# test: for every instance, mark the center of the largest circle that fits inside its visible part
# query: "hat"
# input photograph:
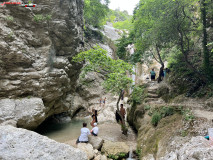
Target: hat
(95, 124)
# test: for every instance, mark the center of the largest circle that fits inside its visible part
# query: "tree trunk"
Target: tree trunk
(206, 63)
(162, 64)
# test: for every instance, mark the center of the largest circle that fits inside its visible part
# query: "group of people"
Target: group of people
(85, 132)
(163, 74)
(104, 101)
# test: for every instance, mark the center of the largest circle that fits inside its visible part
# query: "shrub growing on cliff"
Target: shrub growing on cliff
(138, 94)
(156, 117)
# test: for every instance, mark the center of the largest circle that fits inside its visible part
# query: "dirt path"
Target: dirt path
(203, 114)
(112, 132)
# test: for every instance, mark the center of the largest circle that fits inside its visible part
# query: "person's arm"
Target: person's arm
(89, 133)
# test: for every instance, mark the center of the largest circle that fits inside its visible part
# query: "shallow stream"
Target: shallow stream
(63, 132)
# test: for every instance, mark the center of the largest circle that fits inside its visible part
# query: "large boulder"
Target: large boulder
(26, 112)
(87, 148)
(114, 148)
(96, 142)
(196, 148)
(17, 143)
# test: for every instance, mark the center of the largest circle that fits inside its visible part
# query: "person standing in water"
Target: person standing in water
(85, 132)
(152, 75)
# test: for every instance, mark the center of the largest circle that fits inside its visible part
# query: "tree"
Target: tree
(115, 71)
(206, 53)
(95, 12)
(163, 23)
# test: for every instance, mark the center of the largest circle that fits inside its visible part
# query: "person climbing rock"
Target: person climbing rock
(85, 132)
(152, 75)
(95, 130)
(122, 112)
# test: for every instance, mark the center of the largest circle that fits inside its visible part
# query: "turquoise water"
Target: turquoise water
(63, 132)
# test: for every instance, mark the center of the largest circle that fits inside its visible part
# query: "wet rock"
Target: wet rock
(96, 142)
(114, 148)
(87, 148)
(17, 143)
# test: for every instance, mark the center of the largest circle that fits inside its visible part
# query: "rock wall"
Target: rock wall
(36, 48)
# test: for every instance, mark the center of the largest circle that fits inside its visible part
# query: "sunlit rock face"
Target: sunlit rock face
(17, 143)
(36, 48)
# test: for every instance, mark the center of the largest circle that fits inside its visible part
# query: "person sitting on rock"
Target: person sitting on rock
(95, 130)
(85, 132)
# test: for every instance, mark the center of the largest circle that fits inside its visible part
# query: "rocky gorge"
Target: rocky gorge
(39, 80)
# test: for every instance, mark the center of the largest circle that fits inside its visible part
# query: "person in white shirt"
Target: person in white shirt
(95, 129)
(85, 132)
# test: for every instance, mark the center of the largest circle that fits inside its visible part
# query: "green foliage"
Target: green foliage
(147, 107)
(167, 111)
(184, 133)
(187, 114)
(159, 113)
(121, 48)
(138, 152)
(156, 117)
(127, 24)
(138, 94)
(116, 78)
(40, 18)
(95, 12)
(117, 157)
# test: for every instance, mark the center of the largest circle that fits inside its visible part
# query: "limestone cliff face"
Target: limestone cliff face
(36, 47)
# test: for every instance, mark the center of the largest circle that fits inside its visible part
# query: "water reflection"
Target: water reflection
(63, 132)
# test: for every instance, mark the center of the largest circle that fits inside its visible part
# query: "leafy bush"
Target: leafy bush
(147, 107)
(41, 18)
(138, 94)
(95, 12)
(156, 117)
(167, 111)
(187, 115)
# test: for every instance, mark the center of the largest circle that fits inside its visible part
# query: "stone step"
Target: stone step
(152, 91)
(151, 100)
(151, 95)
